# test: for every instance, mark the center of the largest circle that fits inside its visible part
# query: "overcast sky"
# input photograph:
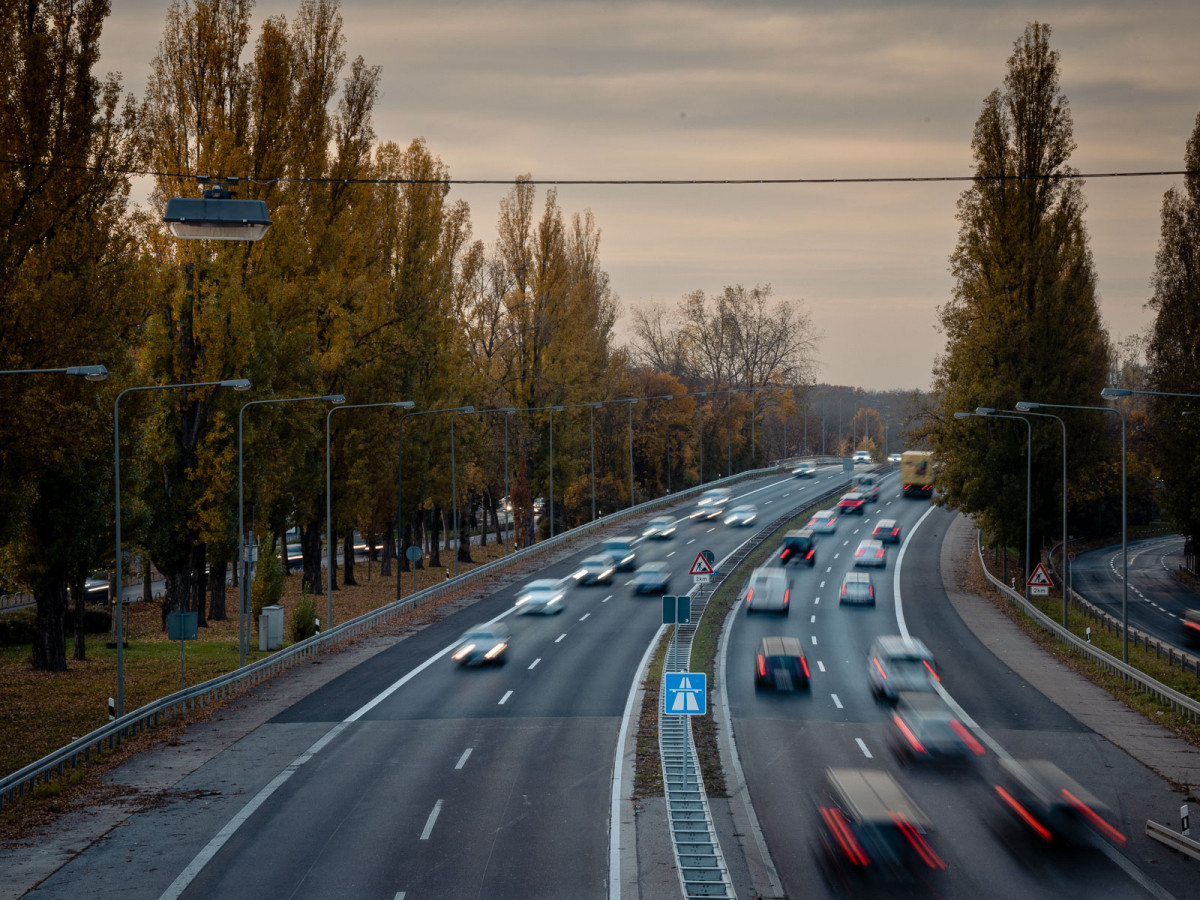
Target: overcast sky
(770, 89)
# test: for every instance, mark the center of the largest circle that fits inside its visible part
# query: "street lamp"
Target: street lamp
(90, 373)
(217, 215)
(331, 553)
(400, 479)
(243, 550)
(985, 412)
(238, 384)
(1024, 407)
(1111, 392)
(591, 408)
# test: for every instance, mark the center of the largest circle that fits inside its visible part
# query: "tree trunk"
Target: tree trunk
(464, 539)
(200, 584)
(220, 567)
(178, 594)
(389, 552)
(147, 581)
(80, 595)
(50, 637)
(348, 558)
(310, 550)
(485, 503)
(435, 558)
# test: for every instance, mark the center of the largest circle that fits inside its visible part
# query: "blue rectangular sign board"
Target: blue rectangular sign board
(182, 626)
(677, 610)
(685, 693)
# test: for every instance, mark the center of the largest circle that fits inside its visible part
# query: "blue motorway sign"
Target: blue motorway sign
(685, 693)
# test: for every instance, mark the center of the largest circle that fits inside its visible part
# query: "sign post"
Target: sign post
(181, 626)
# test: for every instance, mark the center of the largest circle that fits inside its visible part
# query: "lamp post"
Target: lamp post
(91, 373)
(243, 550)
(631, 401)
(1023, 407)
(591, 408)
(1116, 392)
(462, 410)
(331, 554)
(400, 480)
(984, 412)
(238, 384)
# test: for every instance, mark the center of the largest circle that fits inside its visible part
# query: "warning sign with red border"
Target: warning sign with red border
(701, 566)
(1039, 578)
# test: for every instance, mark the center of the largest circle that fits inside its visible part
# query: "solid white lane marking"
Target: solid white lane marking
(437, 808)
(820, 665)
(836, 701)
(863, 747)
(462, 760)
(559, 638)
(584, 616)
(503, 699)
(535, 662)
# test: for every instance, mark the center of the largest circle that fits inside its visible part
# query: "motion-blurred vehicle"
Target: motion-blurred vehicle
(857, 590)
(862, 457)
(897, 664)
(659, 528)
(741, 516)
(852, 503)
(1191, 628)
(597, 570)
(621, 550)
(916, 474)
(651, 576)
(893, 457)
(780, 664)
(1050, 807)
(483, 645)
(887, 531)
(867, 484)
(543, 595)
(872, 829)
(798, 546)
(824, 522)
(870, 553)
(927, 731)
(804, 470)
(711, 504)
(766, 590)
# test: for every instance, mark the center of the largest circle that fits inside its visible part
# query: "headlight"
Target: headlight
(495, 651)
(464, 651)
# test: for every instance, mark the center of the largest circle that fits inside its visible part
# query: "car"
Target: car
(1052, 809)
(798, 545)
(927, 731)
(543, 595)
(871, 828)
(483, 645)
(660, 528)
(867, 485)
(897, 664)
(852, 503)
(870, 553)
(597, 569)
(824, 521)
(887, 531)
(857, 590)
(893, 457)
(711, 504)
(766, 589)
(741, 516)
(780, 664)
(862, 457)
(650, 577)
(804, 470)
(621, 550)
(1191, 628)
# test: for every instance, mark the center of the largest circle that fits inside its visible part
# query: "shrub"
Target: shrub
(303, 622)
(268, 585)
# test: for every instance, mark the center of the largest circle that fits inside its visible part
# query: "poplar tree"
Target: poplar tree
(1023, 322)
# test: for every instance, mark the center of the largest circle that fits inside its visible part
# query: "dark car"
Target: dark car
(780, 664)
(1191, 628)
(852, 503)
(887, 530)
(798, 546)
(857, 590)
(927, 731)
(1051, 808)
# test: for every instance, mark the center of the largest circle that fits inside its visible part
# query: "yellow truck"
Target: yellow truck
(916, 473)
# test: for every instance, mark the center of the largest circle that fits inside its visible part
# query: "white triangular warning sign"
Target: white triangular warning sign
(1039, 578)
(701, 566)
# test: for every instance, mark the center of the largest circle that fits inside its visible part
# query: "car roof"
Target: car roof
(852, 577)
(541, 583)
(896, 645)
(603, 558)
(870, 543)
(620, 539)
(765, 574)
(886, 523)
(780, 646)
(922, 702)
(824, 513)
(653, 564)
(872, 795)
(495, 629)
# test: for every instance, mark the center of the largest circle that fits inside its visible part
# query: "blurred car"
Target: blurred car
(824, 522)
(544, 595)
(852, 503)
(872, 828)
(780, 664)
(483, 645)
(596, 570)
(539, 504)
(897, 664)
(621, 550)
(1191, 628)
(659, 528)
(862, 457)
(798, 545)
(857, 589)
(651, 576)
(742, 515)
(766, 589)
(867, 485)
(870, 553)
(711, 504)
(804, 470)
(927, 731)
(887, 531)
(1050, 807)
(893, 457)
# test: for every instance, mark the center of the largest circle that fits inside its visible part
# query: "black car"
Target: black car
(780, 664)
(798, 545)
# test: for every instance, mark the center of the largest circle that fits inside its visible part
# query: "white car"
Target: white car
(621, 549)
(870, 553)
(651, 577)
(893, 457)
(711, 504)
(742, 515)
(804, 470)
(660, 528)
(596, 570)
(862, 457)
(545, 595)
(766, 589)
(824, 522)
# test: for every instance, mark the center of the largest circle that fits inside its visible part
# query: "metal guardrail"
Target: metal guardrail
(110, 736)
(1165, 695)
(1172, 839)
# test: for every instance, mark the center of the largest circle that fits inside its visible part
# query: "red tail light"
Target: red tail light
(880, 552)
(930, 668)
(908, 735)
(871, 591)
(785, 596)
(967, 738)
(882, 674)
(784, 554)
(804, 665)
(1094, 817)
(762, 667)
(749, 596)
(858, 552)
(809, 554)
(918, 842)
(844, 836)
(1026, 816)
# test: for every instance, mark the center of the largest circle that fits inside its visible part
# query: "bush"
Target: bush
(18, 627)
(303, 624)
(268, 585)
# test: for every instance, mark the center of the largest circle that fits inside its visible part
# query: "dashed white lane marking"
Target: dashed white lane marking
(584, 616)
(863, 747)
(606, 599)
(437, 808)
(711, 530)
(504, 699)
(462, 760)
(820, 665)
(669, 555)
(559, 638)
(814, 640)
(692, 541)
(822, 584)
(836, 701)
(812, 618)
(535, 662)
(816, 601)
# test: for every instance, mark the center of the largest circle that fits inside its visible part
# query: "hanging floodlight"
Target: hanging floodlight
(218, 215)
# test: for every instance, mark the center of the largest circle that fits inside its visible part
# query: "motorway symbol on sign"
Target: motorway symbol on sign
(1039, 578)
(685, 693)
(702, 565)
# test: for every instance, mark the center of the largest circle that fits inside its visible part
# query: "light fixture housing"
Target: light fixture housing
(218, 215)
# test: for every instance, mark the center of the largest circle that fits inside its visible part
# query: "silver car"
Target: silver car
(898, 664)
(804, 470)
(596, 570)
(766, 589)
(742, 515)
(824, 522)
(660, 528)
(870, 553)
(650, 577)
(483, 645)
(621, 549)
(545, 595)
